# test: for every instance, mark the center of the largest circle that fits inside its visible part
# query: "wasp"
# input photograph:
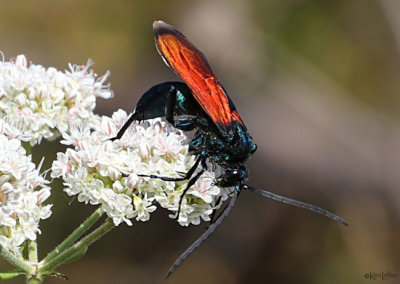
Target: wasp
(220, 133)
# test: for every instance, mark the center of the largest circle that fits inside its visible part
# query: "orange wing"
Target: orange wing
(191, 65)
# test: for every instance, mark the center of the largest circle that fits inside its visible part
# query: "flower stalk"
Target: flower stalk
(74, 236)
(32, 252)
(34, 280)
(18, 262)
(107, 226)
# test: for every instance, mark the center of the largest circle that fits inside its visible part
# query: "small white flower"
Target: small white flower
(40, 102)
(6, 219)
(143, 207)
(204, 188)
(61, 166)
(110, 174)
(23, 192)
(21, 61)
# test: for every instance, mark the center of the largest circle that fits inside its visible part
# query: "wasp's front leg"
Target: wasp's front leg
(167, 100)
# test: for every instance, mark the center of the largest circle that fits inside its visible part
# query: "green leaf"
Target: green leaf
(11, 274)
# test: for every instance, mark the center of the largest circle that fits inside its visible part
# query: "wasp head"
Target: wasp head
(233, 175)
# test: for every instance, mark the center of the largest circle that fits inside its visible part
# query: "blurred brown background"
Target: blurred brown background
(317, 83)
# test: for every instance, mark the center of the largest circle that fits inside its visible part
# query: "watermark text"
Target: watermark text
(380, 275)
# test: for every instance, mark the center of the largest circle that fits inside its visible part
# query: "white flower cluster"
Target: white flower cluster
(103, 172)
(40, 101)
(22, 193)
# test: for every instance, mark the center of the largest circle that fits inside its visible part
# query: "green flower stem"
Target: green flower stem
(78, 246)
(14, 260)
(32, 252)
(86, 225)
(34, 280)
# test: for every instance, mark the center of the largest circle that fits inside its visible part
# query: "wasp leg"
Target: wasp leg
(188, 174)
(181, 101)
(215, 211)
(173, 97)
(203, 237)
(189, 184)
(124, 127)
(192, 182)
(213, 219)
(185, 123)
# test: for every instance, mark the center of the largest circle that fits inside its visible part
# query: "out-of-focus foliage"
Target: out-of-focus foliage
(317, 85)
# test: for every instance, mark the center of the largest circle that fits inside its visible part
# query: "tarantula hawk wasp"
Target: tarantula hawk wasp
(221, 135)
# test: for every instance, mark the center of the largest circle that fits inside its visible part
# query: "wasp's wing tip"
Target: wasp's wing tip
(158, 23)
(161, 27)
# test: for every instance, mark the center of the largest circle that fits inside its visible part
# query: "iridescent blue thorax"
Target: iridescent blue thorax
(229, 150)
(235, 146)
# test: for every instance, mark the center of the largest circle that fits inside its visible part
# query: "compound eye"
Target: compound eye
(253, 148)
(231, 172)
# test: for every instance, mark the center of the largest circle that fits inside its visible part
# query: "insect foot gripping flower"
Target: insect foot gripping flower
(101, 172)
(22, 193)
(40, 101)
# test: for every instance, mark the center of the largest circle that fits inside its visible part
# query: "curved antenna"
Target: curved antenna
(297, 203)
(203, 237)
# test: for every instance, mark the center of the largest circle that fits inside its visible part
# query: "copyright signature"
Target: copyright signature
(380, 275)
